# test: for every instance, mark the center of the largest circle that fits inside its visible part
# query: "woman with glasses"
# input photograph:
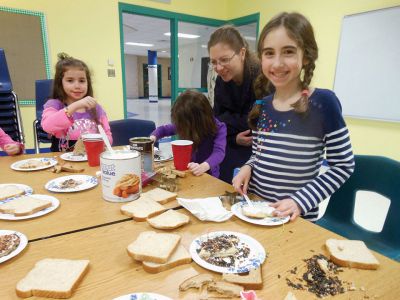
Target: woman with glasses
(237, 68)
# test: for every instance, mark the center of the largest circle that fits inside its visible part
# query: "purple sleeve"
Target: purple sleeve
(218, 153)
(164, 130)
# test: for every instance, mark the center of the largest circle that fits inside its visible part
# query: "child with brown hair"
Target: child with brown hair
(72, 110)
(193, 119)
(295, 126)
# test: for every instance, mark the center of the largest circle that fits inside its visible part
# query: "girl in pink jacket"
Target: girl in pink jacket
(72, 111)
(8, 145)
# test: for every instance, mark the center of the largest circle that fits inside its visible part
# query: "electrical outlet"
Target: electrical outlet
(111, 72)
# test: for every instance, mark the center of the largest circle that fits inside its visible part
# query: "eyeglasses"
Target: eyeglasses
(222, 62)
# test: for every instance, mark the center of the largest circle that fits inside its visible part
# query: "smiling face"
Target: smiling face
(228, 64)
(281, 59)
(75, 84)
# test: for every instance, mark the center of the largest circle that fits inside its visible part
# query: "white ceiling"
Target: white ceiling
(149, 30)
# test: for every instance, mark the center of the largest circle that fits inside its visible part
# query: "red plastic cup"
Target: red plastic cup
(94, 146)
(182, 151)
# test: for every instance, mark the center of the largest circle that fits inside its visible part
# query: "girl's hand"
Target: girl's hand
(244, 138)
(241, 180)
(286, 207)
(86, 103)
(198, 169)
(12, 149)
(153, 138)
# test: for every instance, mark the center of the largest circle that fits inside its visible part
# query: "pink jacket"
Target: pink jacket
(5, 140)
(56, 122)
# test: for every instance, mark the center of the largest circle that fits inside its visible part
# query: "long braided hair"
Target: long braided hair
(300, 30)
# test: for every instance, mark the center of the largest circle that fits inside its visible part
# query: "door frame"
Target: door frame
(174, 18)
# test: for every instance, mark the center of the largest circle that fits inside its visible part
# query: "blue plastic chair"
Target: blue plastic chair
(123, 130)
(10, 114)
(372, 173)
(43, 91)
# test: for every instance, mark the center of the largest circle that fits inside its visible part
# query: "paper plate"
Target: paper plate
(268, 221)
(86, 182)
(26, 188)
(54, 204)
(71, 157)
(254, 259)
(143, 296)
(23, 241)
(49, 161)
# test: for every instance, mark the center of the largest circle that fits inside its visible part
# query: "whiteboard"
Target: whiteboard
(367, 78)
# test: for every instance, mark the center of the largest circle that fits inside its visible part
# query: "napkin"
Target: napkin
(206, 209)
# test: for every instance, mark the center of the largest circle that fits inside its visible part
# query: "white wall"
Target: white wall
(131, 76)
(190, 65)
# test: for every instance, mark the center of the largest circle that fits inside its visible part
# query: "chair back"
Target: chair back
(10, 113)
(5, 79)
(123, 130)
(372, 173)
(43, 91)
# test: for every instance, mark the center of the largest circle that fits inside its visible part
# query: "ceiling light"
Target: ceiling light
(203, 46)
(250, 38)
(184, 35)
(139, 44)
(164, 51)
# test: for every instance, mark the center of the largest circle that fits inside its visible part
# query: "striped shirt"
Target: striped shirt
(289, 148)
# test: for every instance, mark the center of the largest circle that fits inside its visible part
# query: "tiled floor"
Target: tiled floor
(159, 112)
(370, 210)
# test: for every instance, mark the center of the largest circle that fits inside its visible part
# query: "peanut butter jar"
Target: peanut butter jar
(121, 175)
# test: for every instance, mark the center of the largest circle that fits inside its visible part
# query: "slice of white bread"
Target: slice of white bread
(24, 206)
(179, 257)
(160, 195)
(154, 247)
(225, 288)
(142, 208)
(196, 281)
(251, 281)
(169, 220)
(351, 253)
(52, 278)
(8, 191)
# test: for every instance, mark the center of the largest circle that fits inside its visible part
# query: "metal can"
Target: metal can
(145, 146)
(120, 175)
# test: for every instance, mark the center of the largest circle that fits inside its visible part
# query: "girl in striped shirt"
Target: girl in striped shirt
(295, 127)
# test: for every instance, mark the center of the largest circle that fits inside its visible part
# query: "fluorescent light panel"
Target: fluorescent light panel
(139, 44)
(184, 35)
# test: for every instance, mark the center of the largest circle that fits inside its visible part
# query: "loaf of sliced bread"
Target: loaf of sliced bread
(196, 282)
(351, 253)
(24, 206)
(250, 281)
(179, 257)
(154, 247)
(9, 191)
(160, 195)
(52, 278)
(169, 220)
(225, 288)
(142, 208)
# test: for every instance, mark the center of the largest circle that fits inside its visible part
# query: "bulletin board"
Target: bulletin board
(367, 75)
(23, 37)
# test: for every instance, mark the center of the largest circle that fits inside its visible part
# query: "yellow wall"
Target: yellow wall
(368, 137)
(89, 29)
